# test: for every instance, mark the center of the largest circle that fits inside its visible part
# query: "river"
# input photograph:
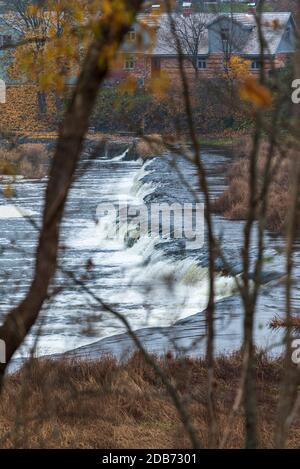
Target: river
(157, 284)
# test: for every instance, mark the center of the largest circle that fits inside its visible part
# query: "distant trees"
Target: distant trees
(37, 26)
(189, 31)
(55, 35)
(279, 5)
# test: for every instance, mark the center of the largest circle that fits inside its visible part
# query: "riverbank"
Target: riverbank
(29, 160)
(103, 404)
(134, 274)
(234, 201)
(223, 140)
(29, 155)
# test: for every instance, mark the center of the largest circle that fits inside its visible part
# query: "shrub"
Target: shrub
(28, 160)
(233, 202)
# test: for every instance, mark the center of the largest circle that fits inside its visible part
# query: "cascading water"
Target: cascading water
(152, 280)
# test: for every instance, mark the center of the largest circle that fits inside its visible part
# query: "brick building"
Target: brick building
(207, 42)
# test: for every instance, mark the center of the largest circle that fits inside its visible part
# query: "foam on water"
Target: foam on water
(156, 289)
(12, 211)
(120, 157)
(150, 280)
(139, 188)
(102, 234)
(182, 284)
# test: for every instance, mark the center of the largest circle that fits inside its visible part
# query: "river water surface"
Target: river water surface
(157, 284)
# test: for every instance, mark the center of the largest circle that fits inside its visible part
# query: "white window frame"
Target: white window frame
(129, 63)
(256, 64)
(202, 60)
(131, 35)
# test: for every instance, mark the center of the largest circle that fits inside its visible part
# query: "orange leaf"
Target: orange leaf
(255, 93)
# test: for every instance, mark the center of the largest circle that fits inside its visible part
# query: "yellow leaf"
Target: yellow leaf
(129, 85)
(255, 93)
(7, 168)
(275, 24)
(159, 84)
(8, 191)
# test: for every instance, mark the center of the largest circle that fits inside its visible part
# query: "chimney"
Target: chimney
(187, 8)
(251, 8)
(156, 9)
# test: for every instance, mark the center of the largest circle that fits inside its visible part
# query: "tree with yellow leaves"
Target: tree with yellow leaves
(55, 34)
(238, 68)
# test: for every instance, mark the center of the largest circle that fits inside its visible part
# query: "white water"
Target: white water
(150, 286)
(162, 289)
(12, 211)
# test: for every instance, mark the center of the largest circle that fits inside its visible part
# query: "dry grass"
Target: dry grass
(102, 404)
(29, 160)
(278, 323)
(233, 203)
(150, 146)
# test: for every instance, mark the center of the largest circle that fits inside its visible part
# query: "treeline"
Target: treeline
(214, 106)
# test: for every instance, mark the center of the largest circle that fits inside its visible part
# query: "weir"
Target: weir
(159, 285)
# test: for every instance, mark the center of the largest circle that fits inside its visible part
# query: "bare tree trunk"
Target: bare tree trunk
(249, 306)
(249, 295)
(203, 186)
(42, 103)
(291, 377)
(20, 320)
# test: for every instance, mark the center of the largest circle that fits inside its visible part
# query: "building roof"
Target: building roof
(273, 28)
(7, 21)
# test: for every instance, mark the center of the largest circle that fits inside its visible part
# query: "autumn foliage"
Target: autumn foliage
(21, 114)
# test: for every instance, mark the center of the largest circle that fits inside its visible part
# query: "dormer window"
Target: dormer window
(131, 35)
(224, 34)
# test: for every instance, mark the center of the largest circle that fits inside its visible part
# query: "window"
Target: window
(129, 62)
(131, 35)
(256, 65)
(155, 64)
(224, 34)
(5, 40)
(201, 63)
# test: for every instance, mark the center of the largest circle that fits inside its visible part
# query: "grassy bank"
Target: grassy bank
(224, 139)
(216, 142)
(102, 404)
(233, 203)
(30, 160)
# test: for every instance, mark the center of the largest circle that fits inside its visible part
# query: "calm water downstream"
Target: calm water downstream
(156, 283)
